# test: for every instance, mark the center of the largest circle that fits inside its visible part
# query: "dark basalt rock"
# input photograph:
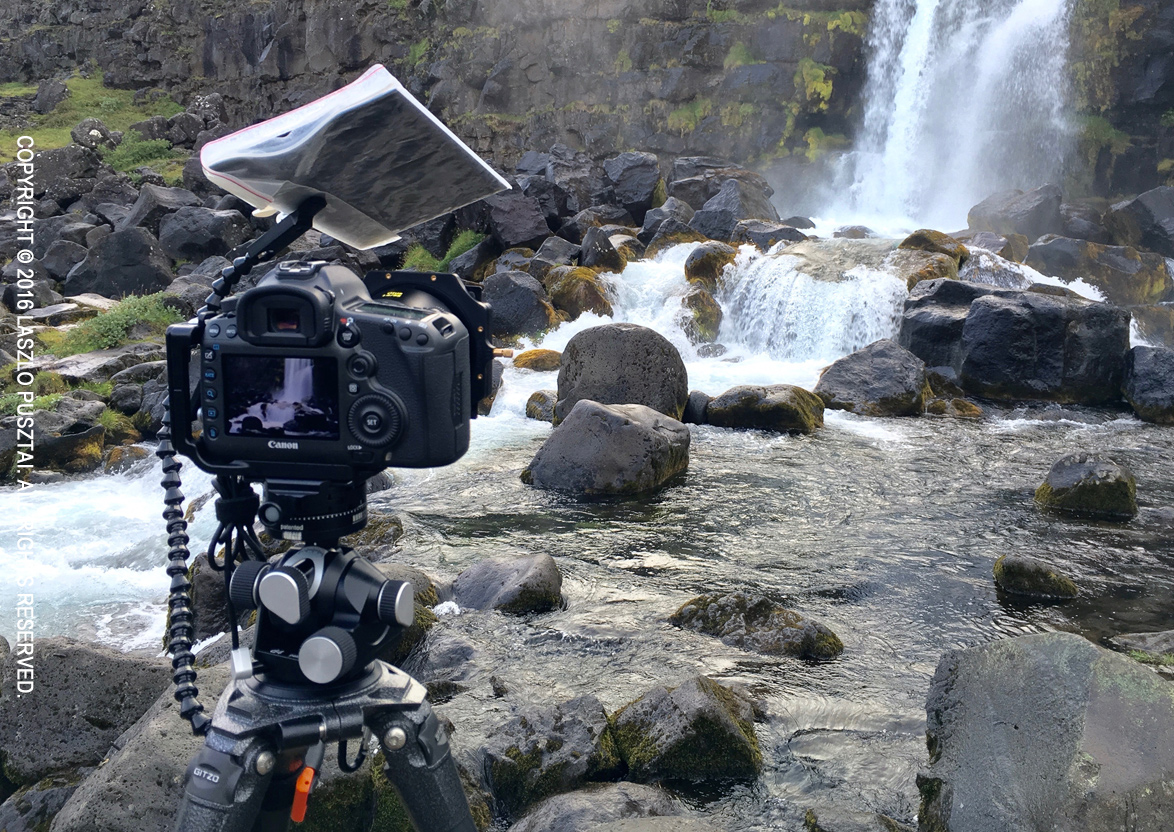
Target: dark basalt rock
(91, 133)
(777, 407)
(1145, 222)
(706, 264)
(1083, 222)
(600, 253)
(1089, 485)
(1124, 275)
(1149, 384)
(1032, 214)
(753, 622)
(113, 188)
(883, 379)
(575, 229)
(672, 208)
(518, 586)
(61, 256)
(540, 405)
(765, 235)
(696, 409)
(606, 450)
(702, 316)
(672, 232)
(65, 173)
(555, 251)
(588, 808)
(1021, 575)
(519, 305)
(468, 264)
(622, 364)
(444, 662)
(154, 203)
(635, 178)
(736, 201)
(1046, 726)
(579, 290)
(194, 234)
(128, 262)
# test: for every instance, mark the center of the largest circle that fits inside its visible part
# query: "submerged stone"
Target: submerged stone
(1022, 575)
(753, 622)
(1089, 485)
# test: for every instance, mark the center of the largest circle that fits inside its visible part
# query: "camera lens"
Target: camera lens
(284, 319)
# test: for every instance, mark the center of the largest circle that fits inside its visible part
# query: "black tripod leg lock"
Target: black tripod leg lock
(222, 794)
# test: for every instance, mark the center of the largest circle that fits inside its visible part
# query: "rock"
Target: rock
(127, 262)
(853, 232)
(104, 365)
(883, 379)
(707, 263)
(672, 232)
(936, 242)
(599, 252)
(587, 809)
(183, 128)
(1047, 727)
(1083, 222)
(40, 293)
(443, 662)
(1146, 222)
(154, 203)
(86, 695)
(703, 316)
(57, 314)
(622, 364)
(1089, 485)
(1124, 275)
(1012, 247)
(555, 251)
(957, 408)
(91, 133)
(140, 785)
(1021, 575)
(1149, 384)
(753, 622)
(736, 201)
(552, 199)
(1032, 214)
(914, 266)
(992, 270)
(194, 234)
(124, 458)
(518, 305)
(696, 409)
(540, 405)
(548, 750)
(68, 440)
(1156, 648)
(467, 265)
(33, 807)
(497, 372)
(661, 824)
(152, 128)
(597, 216)
(1155, 324)
(61, 256)
(519, 586)
(845, 820)
(601, 450)
(50, 93)
(933, 319)
(533, 163)
(579, 176)
(765, 235)
(777, 407)
(580, 290)
(517, 220)
(194, 179)
(209, 600)
(538, 360)
(65, 173)
(514, 260)
(672, 208)
(635, 178)
(697, 731)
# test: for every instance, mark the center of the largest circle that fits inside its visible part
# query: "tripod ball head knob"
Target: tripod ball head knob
(396, 604)
(243, 589)
(327, 655)
(285, 592)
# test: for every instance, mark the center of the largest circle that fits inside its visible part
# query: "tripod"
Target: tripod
(312, 677)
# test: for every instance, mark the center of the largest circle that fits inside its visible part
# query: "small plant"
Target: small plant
(419, 259)
(111, 328)
(418, 51)
(1167, 118)
(739, 55)
(135, 151)
(685, 119)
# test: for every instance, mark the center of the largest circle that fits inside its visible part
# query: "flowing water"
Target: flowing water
(884, 529)
(963, 99)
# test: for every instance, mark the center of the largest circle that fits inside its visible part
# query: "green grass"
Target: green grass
(739, 55)
(87, 98)
(418, 51)
(15, 89)
(110, 328)
(135, 151)
(419, 259)
(685, 119)
(10, 401)
(1155, 659)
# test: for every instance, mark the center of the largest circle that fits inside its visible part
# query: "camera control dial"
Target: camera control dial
(376, 419)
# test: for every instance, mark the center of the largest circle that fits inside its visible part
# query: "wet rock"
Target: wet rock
(596, 216)
(1032, 214)
(154, 203)
(194, 234)
(1148, 648)
(68, 439)
(989, 269)
(736, 201)
(578, 290)
(765, 235)
(697, 731)
(672, 208)
(548, 750)
(753, 622)
(777, 407)
(127, 262)
(1146, 222)
(539, 360)
(957, 408)
(1021, 575)
(124, 458)
(599, 252)
(587, 809)
(1089, 485)
(1011, 247)
(1083, 222)
(914, 266)
(518, 304)
(601, 450)
(656, 824)
(1124, 275)
(853, 232)
(140, 784)
(696, 409)
(517, 220)
(635, 178)
(935, 242)
(622, 364)
(540, 405)
(443, 662)
(932, 322)
(1046, 726)
(883, 379)
(209, 600)
(514, 260)
(32, 808)
(703, 315)
(86, 695)
(706, 264)
(845, 820)
(1155, 324)
(497, 373)
(517, 586)
(1149, 384)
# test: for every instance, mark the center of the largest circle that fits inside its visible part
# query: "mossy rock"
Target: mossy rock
(1021, 575)
(778, 407)
(379, 535)
(342, 801)
(538, 360)
(540, 405)
(705, 316)
(580, 290)
(956, 408)
(753, 622)
(123, 457)
(400, 645)
(72, 453)
(1089, 485)
(926, 239)
(707, 262)
(698, 731)
(917, 266)
(666, 241)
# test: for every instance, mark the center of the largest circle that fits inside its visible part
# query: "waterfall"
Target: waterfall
(963, 99)
(299, 381)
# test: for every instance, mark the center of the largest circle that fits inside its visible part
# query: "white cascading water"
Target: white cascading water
(963, 99)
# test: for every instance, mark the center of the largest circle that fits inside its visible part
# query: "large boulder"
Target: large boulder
(1047, 732)
(602, 450)
(517, 220)
(86, 695)
(636, 179)
(778, 407)
(547, 750)
(736, 201)
(696, 731)
(599, 251)
(127, 262)
(577, 290)
(622, 364)
(65, 173)
(672, 208)
(990, 269)
(765, 235)
(1125, 276)
(1145, 222)
(706, 264)
(194, 234)
(518, 305)
(754, 622)
(520, 585)
(1089, 485)
(935, 313)
(935, 242)
(1031, 214)
(883, 379)
(1149, 384)
(913, 266)
(154, 203)
(587, 809)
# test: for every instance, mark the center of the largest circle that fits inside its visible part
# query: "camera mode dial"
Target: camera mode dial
(375, 419)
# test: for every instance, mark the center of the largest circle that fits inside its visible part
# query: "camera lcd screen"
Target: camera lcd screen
(408, 312)
(281, 397)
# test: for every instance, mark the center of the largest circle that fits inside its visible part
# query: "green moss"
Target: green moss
(623, 62)
(390, 815)
(1167, 119)
(726, 15)
(110, 328)
(736, 115)
(1154, 659)
(417, 52)
(685, 119)
(819, 143)
(1116, 500)
(739, 55)
(522, 781)
(659, 194)
(1096, 135)
(1032, 579)
(814, 82)
(1099, 36)
(342, 803)
(614, 25)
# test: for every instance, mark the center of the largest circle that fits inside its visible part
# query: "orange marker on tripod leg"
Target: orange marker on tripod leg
(302, 795)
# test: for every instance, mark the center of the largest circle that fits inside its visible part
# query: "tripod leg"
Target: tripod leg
(421, 768)
(223, 792)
